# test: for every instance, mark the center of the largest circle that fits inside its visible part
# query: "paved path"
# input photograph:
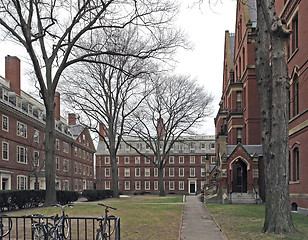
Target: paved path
(198, 223)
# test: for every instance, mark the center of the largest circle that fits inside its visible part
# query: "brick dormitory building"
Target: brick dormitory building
(189, 162)
(22, 140)
(238, 128)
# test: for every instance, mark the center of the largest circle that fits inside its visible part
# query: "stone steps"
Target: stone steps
(243, 198)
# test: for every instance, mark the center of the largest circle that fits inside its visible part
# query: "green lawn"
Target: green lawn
(245, 222)
(139, 218)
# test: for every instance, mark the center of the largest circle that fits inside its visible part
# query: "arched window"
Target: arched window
(295, 96)
(296, 164)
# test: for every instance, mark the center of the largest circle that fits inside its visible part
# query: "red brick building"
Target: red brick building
(238, 119)
(189, 161)
(238, 128)
(22, 140)
(295, 14)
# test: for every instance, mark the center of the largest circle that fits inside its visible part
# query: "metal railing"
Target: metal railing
(83, 228)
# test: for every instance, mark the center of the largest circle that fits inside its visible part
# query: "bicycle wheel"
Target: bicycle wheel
(110, 226)
(53, 233)
(100, 235)
(66, 227)
(39, 233)
(5, 225)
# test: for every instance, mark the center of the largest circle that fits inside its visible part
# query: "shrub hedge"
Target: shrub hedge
(18, 199)
(94, 195)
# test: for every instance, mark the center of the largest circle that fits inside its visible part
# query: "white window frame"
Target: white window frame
(66, 147)
(127, 172)
(66, 185)
(66, 165)
(147, 172)
(107, 172)
(171, 185)
(36, 136)
(171, 160)
(147, 185)
(155, 172)
(192, 172)
(155, 185)
(202, 146)
(203, 159)
(7, 151)
(137, 160)
(171, 172)
(126, 160)
(181, 169)
(181, 162)
(192, 160)
(127, 185)
(107, 160)
(107, 185)
(21, 129)
(7, 129)
(57, 144)
(137, 185)
(36, 158)
(181, 185)
(146, 160)
(57, 163)
(24, 161)
(25, 182)
(202, 172)
(137, 172)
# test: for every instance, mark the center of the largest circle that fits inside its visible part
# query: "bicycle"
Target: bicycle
(5, 225)
(61, 228)
(106, 224)
(39, 228)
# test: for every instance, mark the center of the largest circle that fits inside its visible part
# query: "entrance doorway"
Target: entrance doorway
(192, 186)
(239, 182)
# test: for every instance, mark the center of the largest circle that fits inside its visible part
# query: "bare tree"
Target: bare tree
(176, 104)
(54, 34)
(273, 84)
(109, 89)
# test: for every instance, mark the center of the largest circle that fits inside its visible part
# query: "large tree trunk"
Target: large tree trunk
(114, 170)
(161, 182)
(273, 85)
(50, 197)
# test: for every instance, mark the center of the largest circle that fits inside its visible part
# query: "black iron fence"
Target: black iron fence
(83, 228)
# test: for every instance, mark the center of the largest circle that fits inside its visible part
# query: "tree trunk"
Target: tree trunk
(114, 170)
(273, 85)
(50, 197)
(161, 182)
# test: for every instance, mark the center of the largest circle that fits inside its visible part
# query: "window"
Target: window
(76, 185)
(107, 172)
(146, 160)
(126, 172)
(147, 185)
(118, 160)
(212, 145)
(83, 139)
(139, 146)
(137, 160)
(213, 159)
(76, 151)
(65, 147)
(202, 172)
(192, 172)
(294, 36)
(21, 182)
(192, 159)
(191, 145)
(137, 172)
(36, 136)
(88, 158)
(84, 170)
(5, 151)
(295, 96)
(181, 159)
(21, 129)
(5, 123)
(137, 185)
(147, 172)
(171, 159)
(181, 185)
(107, 185)
(238, 135)
(84, 154)
(21, 154)
(202, 146)
(238, 101)
(127, 147)
(66, 185)
(76, 167)
(57, 163)
(80, 168)
(171, 185)
(57, 144)
(126, 160)
(181, 146)
(171, 172)
(203, 159)
(156, 185)
(107, 160)
(35, 158)
(181, 172)
(296, 164)
(127, 185)
(155, 172)
(65, 165)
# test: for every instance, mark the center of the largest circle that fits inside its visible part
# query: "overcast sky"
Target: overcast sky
(205, 27)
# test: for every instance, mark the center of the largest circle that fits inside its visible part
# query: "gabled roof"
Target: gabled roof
(76, 130)
(251, 150)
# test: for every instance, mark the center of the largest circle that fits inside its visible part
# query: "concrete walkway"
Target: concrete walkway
(198, 223)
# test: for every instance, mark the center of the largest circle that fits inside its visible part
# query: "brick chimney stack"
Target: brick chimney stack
(71, 119)
(161, 129)
(12, 72)
(102, 131)
(57, 105)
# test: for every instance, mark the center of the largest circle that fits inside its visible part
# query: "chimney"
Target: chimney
(102, 131)
(57, 105)
(12, 72)
(71, 119)
(160, 129)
